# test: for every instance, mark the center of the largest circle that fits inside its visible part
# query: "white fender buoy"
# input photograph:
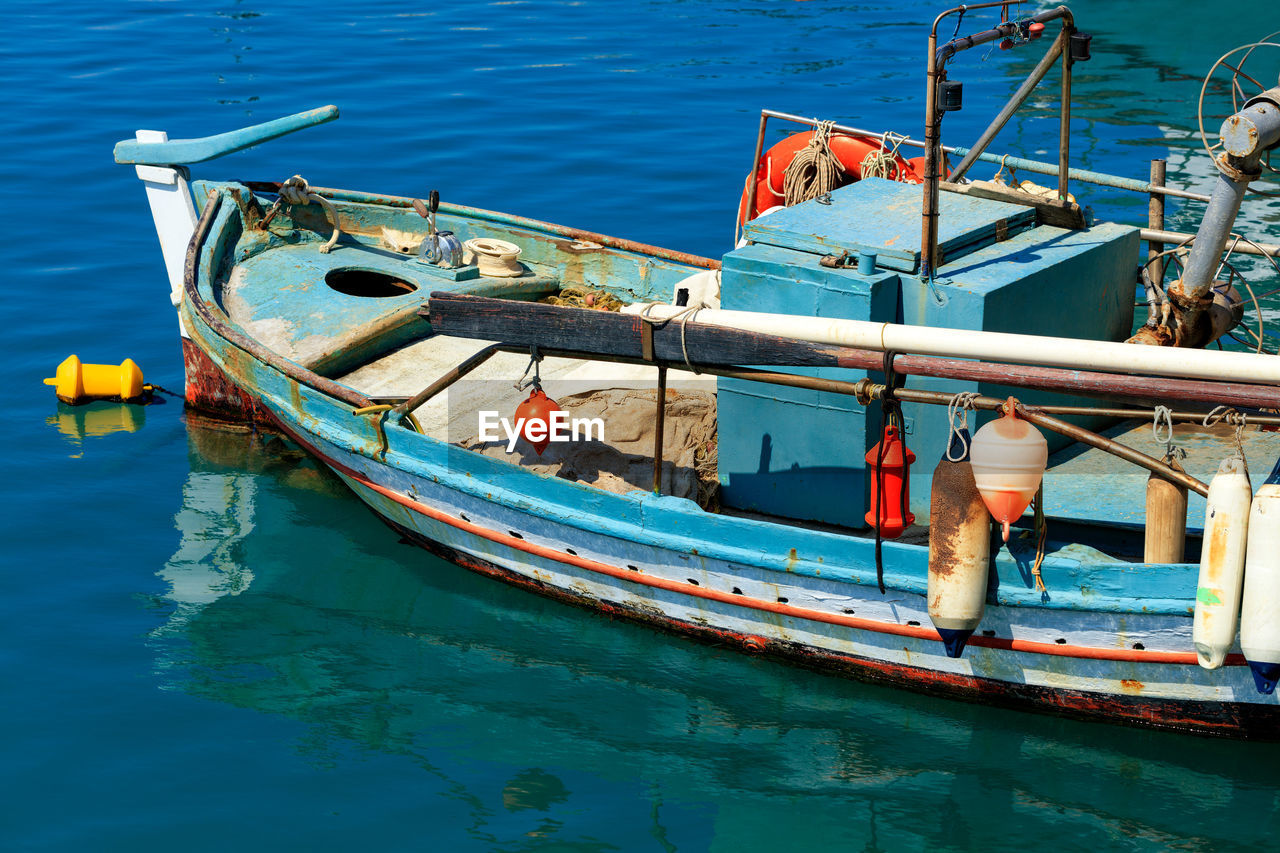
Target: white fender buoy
(1260, 610)
(1226, 524)
(959, 544)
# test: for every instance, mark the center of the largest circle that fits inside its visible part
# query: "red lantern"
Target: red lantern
(534, 418)
(889, 463)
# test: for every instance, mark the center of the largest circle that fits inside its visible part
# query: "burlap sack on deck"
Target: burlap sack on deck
(623, 462)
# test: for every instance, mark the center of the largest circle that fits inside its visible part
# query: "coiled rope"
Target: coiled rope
(883, 162)
(814, 170)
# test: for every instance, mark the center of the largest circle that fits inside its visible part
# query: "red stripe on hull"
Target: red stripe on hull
(1210, 718)
(918, 632)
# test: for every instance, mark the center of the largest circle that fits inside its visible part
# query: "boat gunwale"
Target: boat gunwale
(483, 215)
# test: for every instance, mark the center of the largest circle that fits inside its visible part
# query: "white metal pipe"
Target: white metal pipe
(1219, 365)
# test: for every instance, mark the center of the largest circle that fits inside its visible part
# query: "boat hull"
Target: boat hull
(645, 585)
(914, 664)
(1114, 649)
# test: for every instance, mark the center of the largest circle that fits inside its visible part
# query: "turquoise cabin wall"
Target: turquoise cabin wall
(794, 452)
(1045, 281)
(799, 453)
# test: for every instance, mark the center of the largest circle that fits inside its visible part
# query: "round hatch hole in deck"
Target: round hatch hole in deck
(370, 283)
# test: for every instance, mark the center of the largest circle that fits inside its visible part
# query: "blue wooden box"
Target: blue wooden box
(800, 454)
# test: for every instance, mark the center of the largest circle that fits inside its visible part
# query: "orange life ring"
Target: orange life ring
(849, 150)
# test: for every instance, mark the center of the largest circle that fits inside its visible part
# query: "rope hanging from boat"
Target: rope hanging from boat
(1041, 527)
(1162, 432)
(891, 413)
(958, 410)
(296, 191)
(814, 171)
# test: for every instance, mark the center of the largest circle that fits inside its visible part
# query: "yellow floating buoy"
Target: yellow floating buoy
(77, 383)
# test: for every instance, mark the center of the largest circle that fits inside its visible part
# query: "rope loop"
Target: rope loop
(892, 381)
(296, 191)
(998, 177)
(1163, 425)
(1226, 414)
(883, 162)
(1162, 432)
(684, 317)
(958, 409)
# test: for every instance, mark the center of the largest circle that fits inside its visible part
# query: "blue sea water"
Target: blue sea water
(208, 644)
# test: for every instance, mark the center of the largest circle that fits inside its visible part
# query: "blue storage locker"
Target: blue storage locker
(800, 454)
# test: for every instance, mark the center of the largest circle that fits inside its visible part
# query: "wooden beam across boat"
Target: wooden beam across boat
(608, 333)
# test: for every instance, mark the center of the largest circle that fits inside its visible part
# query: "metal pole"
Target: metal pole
(936, 72)
(867, 390)
(1251, 248)
(1064, 126)
(932, 158)
(402, 411)
(1245, 135)
(1155, 219)
(1088, 176)
(661, 428)
(753, 178)
(1016, 101)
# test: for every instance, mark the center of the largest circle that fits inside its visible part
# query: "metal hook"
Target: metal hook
(535, 358)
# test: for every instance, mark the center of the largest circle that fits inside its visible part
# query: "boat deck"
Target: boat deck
(1089, 485)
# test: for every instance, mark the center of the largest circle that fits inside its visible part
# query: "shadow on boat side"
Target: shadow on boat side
(286, 597)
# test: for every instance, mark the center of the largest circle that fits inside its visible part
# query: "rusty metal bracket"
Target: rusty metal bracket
(838, 262)
(1223, 162)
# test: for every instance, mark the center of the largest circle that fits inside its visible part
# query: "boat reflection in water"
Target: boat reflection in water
(545, 721)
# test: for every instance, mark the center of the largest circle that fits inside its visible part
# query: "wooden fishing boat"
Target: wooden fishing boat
(772, 507)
